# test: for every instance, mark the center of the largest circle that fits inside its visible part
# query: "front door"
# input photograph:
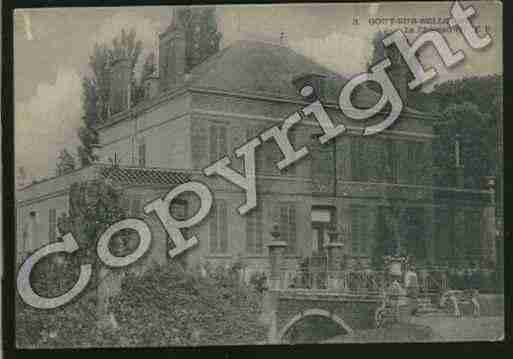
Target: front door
(319, 238)
(322, 218)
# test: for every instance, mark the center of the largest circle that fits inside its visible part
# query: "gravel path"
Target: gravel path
(463, 329)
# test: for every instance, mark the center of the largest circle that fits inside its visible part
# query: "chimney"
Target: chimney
(120, 78)
(399, 72)
(172, 52)
(310, 86)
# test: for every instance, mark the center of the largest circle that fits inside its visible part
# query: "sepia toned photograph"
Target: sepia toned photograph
(258, 174)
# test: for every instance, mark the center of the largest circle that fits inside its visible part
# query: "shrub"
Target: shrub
(258, 281)
(71, 326)
(169, 307)
(165, 307)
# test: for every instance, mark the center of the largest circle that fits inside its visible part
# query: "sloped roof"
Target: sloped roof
(258, 67)
(144, 176)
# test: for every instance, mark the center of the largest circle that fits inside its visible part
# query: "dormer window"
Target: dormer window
(310, 86)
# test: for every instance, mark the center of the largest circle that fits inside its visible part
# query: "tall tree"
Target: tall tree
(471, 128)
(96, 87)
(149, 66)
(93, 207)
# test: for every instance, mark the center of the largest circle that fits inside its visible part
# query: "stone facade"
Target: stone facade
(189, 126)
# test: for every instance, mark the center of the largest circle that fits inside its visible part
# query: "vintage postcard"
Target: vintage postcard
(258, 174)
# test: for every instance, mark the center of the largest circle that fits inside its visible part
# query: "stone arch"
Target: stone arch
(313, 312)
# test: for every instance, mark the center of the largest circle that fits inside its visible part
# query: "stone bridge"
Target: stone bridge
(283, 309)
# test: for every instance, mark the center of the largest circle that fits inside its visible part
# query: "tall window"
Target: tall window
(414, 232)
(52, 225)
(218, 142)
(358, 161)
(142, 154)
(254, 232)
(251, 132)
(472, 233)
(444, 234)
(392, 158)
(219, 228)
(292, 169)
(323, 161)
(285, 215)
(360, 230)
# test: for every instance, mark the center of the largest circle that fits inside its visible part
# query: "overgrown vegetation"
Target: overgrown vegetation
(164, 307)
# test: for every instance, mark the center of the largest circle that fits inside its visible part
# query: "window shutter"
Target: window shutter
(259, 240)
(402, 159)
(250, 233)
(223, 144)
(142, 155)
(472, 232)
(52, 225)
(292, 169)
(411, 163)
(251, 132)
(355, 170)
(382, 159)
(363, 223)
(421, 162)
(213, 229)
(372, 158)
(254, 231)
(213, 142)
(357, 227)
(292, 240)
(287, 220)
(443, 237)
(199, 145)
(358, 161)
(223, 227)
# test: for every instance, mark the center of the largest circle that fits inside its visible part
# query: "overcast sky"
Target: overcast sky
(52, 46)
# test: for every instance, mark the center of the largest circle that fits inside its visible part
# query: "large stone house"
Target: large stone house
(189, 120)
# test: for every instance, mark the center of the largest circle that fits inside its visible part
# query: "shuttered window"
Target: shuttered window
(361, 231)
(414, 232)
(472, 233)
(219, 228)
(444, 234)
(251, 132)
(288, 221)
(52, 225)
(254, 232)
(373, 158)
(323, 164)
(359, 165)
(199, 144)
(284, 214)
(292, 169)
(392, 168)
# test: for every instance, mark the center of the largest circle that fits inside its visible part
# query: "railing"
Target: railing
(360, 282)
(433, 280)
